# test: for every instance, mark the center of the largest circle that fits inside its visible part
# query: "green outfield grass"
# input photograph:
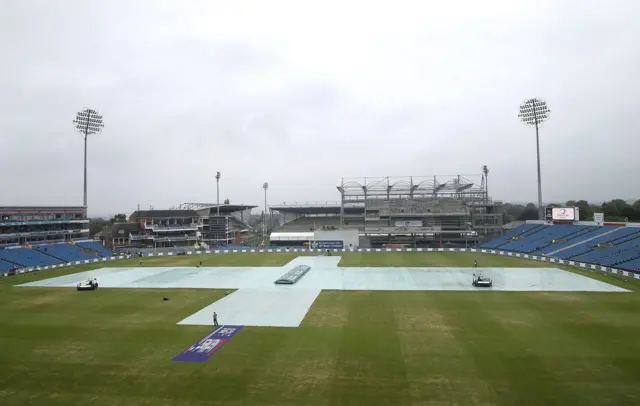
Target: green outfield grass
(114, 346)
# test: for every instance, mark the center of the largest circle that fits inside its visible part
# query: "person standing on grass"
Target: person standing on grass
(475, 263)
(215, 318)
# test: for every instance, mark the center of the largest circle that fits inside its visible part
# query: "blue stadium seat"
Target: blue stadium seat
(619, 234)
(65, 252)
(523, 230)
(633, 265)
(27, 257)
(95, 246)
(5, 266)
(544, 238)
(623, 250)
(587, 233)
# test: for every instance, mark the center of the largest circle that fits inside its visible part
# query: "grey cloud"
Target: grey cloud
(274, 92)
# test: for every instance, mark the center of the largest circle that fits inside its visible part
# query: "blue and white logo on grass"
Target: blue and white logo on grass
(208, 345)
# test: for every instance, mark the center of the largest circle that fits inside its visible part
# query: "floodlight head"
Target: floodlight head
(485, 170)
(534, 111)
(217, 175)
(88, 121)
(265, 185)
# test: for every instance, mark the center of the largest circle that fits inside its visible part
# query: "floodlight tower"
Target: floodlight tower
(87, 122)
(218, 192)
(265, 186)
(534, 112)
(485, 172)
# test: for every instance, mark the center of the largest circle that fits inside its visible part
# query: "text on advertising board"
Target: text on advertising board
(327, 245)
(563, 213)
(409, 223)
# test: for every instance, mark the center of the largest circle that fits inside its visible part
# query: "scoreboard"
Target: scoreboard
(562, 214)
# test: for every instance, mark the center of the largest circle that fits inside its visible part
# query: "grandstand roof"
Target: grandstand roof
(224, 208)
(163, 214)
(30, 209)
(458, 185)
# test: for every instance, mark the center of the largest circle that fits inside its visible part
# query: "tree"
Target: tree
(119, 218)
(619, 210)
(586, 210)
(512, 212)
(97, 224)
(530, 213)
(226, 201)
(586, 213)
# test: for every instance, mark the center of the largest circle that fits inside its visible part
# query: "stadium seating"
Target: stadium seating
(618, 234)
(633, 265)
(94, 246)
(35, 243)
(606, 246)
(27, 257)
(521, 230)
(5, 266)
(586, 234)
(303, 224)
(66, 252)
(623, 250)
(544, 237)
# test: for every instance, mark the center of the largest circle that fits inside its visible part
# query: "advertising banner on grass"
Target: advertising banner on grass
(208, 345)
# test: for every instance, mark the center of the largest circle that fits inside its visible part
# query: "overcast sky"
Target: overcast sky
(301, 93)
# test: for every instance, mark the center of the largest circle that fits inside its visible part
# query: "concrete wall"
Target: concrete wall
(351, 238)
(365, 242)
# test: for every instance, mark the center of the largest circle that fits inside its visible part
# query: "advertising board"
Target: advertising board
(409, 223)
(563, 213)
(327, 244)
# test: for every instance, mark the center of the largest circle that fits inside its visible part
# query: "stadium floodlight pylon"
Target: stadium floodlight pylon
(218, 174)
(87, 122)
(265, 186)
(485, 181)
(534, 112)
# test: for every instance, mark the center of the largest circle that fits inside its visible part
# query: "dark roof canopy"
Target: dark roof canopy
(146, 214)
(232, 208)
(213, 208)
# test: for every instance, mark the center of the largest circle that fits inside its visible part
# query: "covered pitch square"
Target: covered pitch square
(259, 302)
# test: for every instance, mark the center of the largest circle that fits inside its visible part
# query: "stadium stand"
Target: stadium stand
(311, 223)
(5, 266)
(633, 265)
(623, 250)
(609, 238)
(65, 252)
(94, 246)
(610, 246)
(589, 234)
(27, 257)
(519, 231)
(544, 238)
